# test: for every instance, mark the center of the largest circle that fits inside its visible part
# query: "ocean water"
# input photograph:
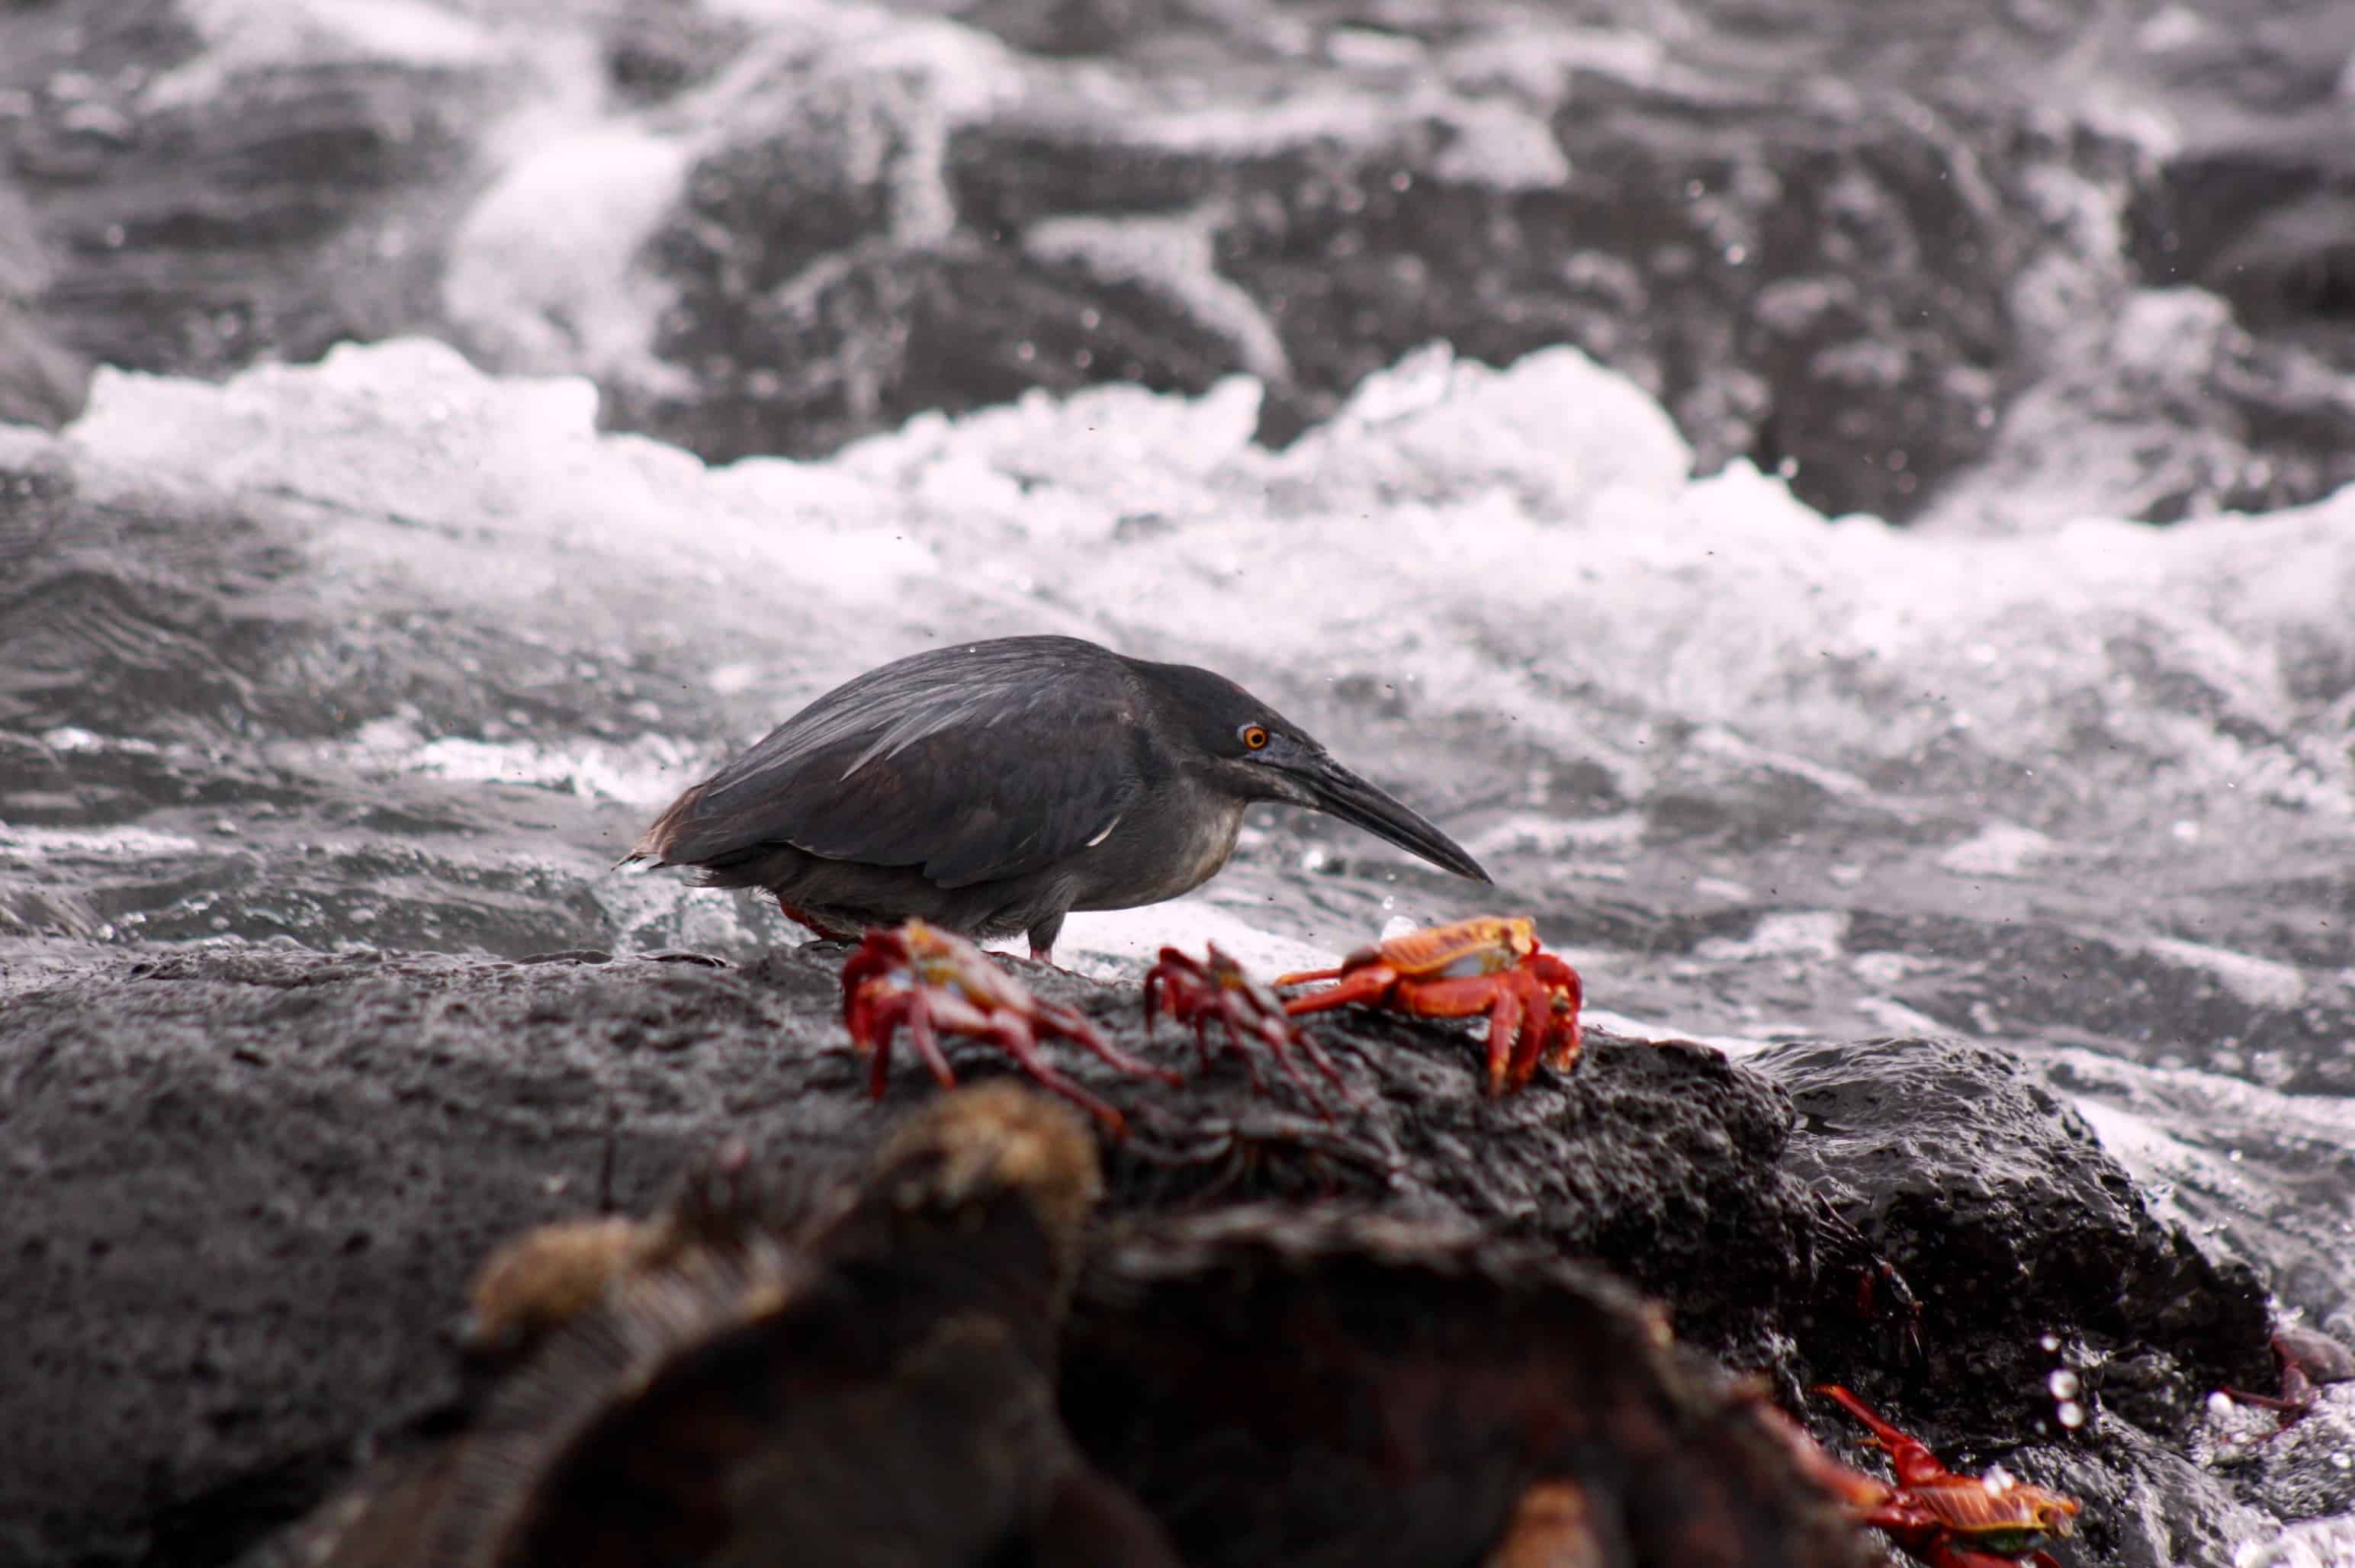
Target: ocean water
(383, 651)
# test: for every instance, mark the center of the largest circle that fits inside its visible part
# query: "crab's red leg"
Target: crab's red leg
(1013, 1036)
(1460, 996)
(1202, 1048)
(1161, 983)
(1073, 1026)
(2297, 1396)
(1861, 1493)
(1161, 986)
(1226, 1017)
(1279, 1045)
(920, 1011)
(1908, 1456)
(1304, 977)
(862, 966)
(1562, 1045)
(1324, 1064)
(1564, 1037)
(858, 1018)
(1369, 985)
(1548, 1038)
(874, 1022)
(1508, 1019)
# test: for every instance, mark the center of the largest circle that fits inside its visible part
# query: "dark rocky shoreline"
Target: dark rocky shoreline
(247, 1187)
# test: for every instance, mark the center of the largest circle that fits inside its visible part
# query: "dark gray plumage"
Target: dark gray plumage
(991, 787)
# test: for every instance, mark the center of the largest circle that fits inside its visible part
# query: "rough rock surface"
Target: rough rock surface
(245, 1186)
(1262, 1379)
(2003, 1213)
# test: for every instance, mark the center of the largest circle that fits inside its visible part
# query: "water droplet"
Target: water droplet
(2071, 1414)
(2221, 1406)
(2050, 1341)
(1997, 1480)
(2064, 1383)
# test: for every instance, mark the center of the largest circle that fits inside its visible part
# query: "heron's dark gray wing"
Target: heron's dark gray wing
(974, 764)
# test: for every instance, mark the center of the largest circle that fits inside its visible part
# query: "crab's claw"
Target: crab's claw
(883, 952)
(1565, 994)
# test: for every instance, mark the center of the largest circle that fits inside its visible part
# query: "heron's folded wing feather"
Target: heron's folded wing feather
(974, 769)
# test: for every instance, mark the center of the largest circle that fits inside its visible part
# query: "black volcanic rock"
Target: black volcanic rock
(246, 1187)
(749, 1383)
(1318, 1386)
(2014, 1226)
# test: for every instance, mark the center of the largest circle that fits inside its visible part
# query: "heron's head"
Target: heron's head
(1235, 743)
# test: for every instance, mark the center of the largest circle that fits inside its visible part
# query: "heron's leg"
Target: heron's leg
(809, 921)
(1043, 938)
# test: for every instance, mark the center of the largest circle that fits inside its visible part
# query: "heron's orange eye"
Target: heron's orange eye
(1254, 737)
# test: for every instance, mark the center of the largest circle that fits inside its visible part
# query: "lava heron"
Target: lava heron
(992, 787)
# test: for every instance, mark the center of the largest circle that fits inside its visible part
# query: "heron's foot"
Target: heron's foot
(810, 922)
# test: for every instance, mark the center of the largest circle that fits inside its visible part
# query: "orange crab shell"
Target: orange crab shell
(1496, 943)
(1487, 964)
(933, 982)
(1947, 1519)
(932, 957)
(1982, 1516)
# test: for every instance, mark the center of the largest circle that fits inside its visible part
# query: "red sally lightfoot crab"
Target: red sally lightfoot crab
(1487, 964)
(933, 980)
(2307, 1360)
(1945, 1519)
(1218, 991)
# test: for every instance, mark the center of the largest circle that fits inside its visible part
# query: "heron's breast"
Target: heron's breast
(1152, 855)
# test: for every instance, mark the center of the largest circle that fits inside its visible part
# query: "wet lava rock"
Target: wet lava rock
(246, 1187)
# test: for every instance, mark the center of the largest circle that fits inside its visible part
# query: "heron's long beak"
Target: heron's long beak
(1336, 790)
